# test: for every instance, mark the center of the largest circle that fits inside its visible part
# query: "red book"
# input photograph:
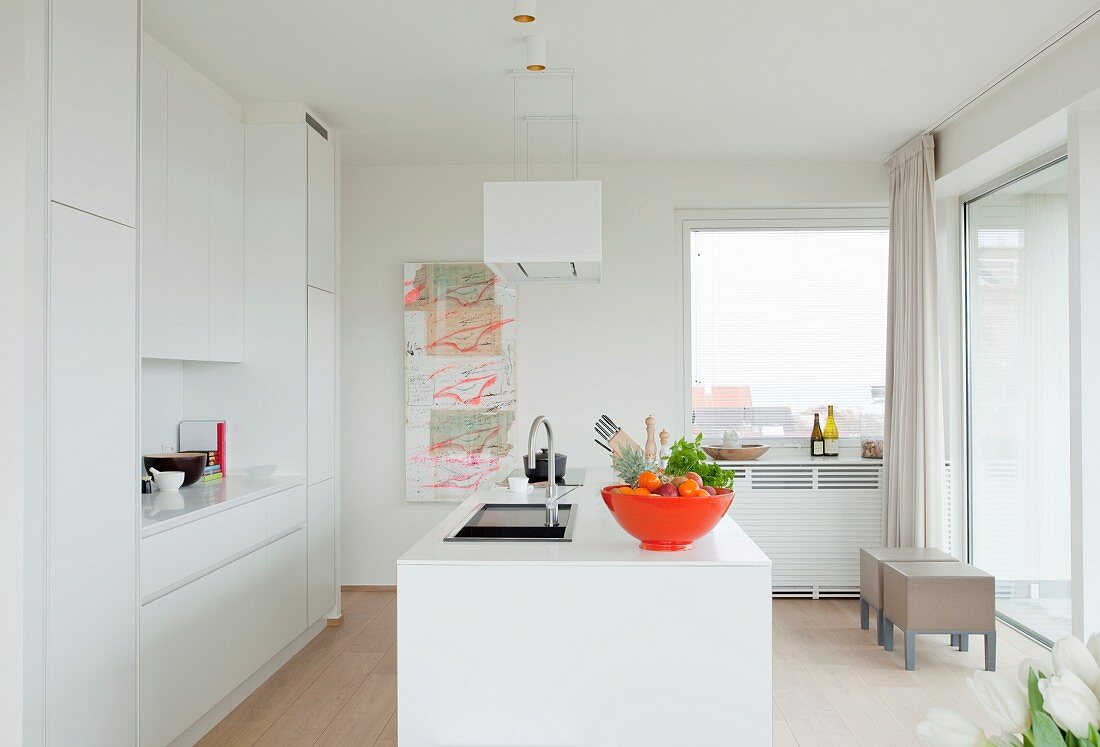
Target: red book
(221, 447)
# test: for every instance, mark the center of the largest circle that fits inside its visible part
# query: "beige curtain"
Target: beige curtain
(914, 450)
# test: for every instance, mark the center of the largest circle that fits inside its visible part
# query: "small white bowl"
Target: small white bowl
(167, 482)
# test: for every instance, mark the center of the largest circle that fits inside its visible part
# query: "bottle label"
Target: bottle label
(832, 446)
(819, 448)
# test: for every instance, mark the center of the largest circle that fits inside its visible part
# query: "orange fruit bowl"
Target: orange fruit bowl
(666, 523)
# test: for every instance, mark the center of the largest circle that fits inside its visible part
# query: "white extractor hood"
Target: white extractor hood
(544, 231)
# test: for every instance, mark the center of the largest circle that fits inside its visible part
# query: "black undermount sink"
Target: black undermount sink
(514, 522)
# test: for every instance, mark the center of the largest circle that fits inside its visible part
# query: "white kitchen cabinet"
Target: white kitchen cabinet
(188, 222)
(226, 272)
(177, 661)
(321, 385)
(93, 92)
(154, 208)
(321, 186)
(322, 549)
(259, 607)
(91, 545)
(192, 238)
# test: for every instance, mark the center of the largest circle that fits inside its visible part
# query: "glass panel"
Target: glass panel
(784, 323)
(1018, 273)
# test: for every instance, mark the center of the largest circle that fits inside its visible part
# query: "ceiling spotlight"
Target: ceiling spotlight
(536, 53)
(523, 11)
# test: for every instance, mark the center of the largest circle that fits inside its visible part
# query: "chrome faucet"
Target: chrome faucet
(551, 468)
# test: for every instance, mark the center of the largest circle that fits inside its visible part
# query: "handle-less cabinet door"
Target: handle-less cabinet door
(321, 188)
(321, 385)
(93, 106)
(91, 548)
(188, 222)
(177, 661)
(154, 208)
(226, 237)
(322, 549)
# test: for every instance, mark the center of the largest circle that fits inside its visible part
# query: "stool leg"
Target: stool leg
(887, 633)
(991, 651)
(864, 615)
(879, 625)
(910, 650)
(954, 639)
(964, 642)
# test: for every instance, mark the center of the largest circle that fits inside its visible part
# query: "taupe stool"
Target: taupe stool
(955, 599)
(870, 576)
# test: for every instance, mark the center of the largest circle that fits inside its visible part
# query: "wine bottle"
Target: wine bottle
(832, 435)
(817, 440)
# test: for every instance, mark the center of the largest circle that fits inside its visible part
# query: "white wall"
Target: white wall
(583, 350)
(12, 213)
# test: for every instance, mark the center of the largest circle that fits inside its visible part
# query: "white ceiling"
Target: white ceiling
(426, 81)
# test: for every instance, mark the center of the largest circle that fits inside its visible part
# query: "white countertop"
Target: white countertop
(597, 538)
(162, 511)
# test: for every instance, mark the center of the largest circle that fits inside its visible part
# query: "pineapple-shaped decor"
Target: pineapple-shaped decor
(630, 462)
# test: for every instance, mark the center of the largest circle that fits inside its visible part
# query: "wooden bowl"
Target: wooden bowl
(746, 453)
(191, 463)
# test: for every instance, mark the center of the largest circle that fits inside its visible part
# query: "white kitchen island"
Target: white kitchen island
(589, 642)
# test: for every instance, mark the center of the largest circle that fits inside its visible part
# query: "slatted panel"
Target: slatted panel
(811, 521)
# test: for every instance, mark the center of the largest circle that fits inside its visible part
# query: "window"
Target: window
(1017, 243)
(786, 320)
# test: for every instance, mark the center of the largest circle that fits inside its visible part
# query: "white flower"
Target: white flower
(1070, 702)
(1004, 701)
(1069, 653)
(944, 728)
(1094, 646)
(1005, 740)
(1041, 666)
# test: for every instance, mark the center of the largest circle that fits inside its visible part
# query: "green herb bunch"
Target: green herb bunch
(687, 456)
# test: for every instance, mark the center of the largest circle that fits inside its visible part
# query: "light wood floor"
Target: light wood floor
(832, 684)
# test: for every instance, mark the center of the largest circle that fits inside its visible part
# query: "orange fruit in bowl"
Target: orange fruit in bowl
(688, 487)
(700, 493)
(649, 481)
(641, 491)
(626, 489)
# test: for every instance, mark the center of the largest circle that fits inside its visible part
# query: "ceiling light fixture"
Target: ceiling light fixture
(536, 53)
(523, 11)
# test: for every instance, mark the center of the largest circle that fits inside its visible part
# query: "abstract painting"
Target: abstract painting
(460, 379)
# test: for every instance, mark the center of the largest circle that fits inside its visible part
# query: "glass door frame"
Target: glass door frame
(1023, 171)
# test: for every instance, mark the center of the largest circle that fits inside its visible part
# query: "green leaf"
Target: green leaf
(1034, 697)
(1044, 730)
(1094, 736)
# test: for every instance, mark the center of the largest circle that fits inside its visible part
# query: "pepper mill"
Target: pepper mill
(650, 443)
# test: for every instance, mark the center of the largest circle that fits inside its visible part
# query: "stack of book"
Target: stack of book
(213, 470)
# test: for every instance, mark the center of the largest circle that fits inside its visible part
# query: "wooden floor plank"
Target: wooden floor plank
(309, 715)
(832, 684)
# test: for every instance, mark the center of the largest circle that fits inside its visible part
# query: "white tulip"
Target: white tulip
(1070, 702)
(1094, 646)
(1041, 666)
(1069, 653)
(944, 728)
(1004, 701)
(1005, 740)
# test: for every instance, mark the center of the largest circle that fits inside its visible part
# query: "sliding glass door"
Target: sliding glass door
(1018, 396)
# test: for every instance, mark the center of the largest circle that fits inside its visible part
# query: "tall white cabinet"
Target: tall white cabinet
(86, 690)
(321, 372)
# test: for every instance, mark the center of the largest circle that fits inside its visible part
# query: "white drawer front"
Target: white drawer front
(286, 510)
(172, 556)
(240, 528)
